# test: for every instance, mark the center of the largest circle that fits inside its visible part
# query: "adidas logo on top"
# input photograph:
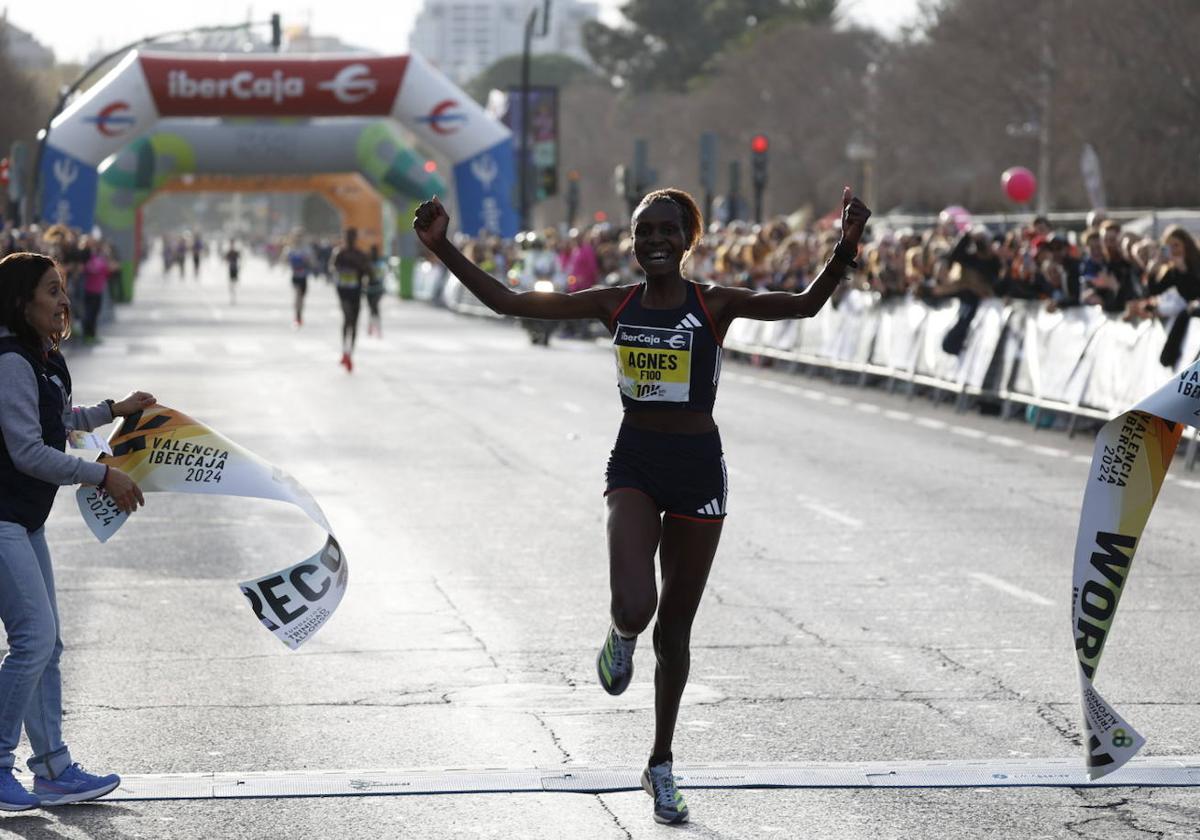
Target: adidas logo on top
(690, 322)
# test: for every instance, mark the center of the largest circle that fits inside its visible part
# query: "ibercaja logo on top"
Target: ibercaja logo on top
(255, 87)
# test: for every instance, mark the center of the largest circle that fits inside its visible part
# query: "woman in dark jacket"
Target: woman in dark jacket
(35, 416)
(1182, 273)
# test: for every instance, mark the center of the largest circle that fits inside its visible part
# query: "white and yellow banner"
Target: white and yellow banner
(164, 450)
(1132, 454)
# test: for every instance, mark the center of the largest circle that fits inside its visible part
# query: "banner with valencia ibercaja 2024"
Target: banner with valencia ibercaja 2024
(1133, 452)
(164, 450)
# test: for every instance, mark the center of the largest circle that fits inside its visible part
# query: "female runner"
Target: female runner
(666, 476)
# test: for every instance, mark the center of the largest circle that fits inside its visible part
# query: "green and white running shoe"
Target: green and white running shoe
(669, 807)
(614, 663)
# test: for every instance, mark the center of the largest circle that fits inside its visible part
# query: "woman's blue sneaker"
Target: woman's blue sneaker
(74, 785)
(13, 796)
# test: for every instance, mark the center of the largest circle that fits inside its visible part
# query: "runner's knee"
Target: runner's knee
(632, 614)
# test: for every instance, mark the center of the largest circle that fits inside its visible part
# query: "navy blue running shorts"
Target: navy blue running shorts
(683, 474)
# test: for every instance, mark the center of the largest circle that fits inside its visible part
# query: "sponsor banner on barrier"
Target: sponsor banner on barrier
(1133, 452)
(485, 186)
(164, 450)
(68, 189)
(107, 116)
(269, 86)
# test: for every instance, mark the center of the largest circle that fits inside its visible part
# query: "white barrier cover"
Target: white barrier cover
(164, 450)
(852, 340)
(1124, 365)
(1054, 348)
(986, 329)
(1130, 462)
(932, 360)
(898, 337)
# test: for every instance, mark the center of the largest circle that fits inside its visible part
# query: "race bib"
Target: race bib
(654, 364)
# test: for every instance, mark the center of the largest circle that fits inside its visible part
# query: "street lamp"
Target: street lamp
(523, 157)
(862, 152)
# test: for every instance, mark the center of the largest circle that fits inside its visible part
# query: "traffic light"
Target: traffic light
(430, 166)
(758, 154)
(276, 32)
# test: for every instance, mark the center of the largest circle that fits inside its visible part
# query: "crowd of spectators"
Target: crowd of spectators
(1129, 275)
(1126, 274)
(89, 264)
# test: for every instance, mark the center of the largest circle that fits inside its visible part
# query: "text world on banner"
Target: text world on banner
(1133, 451)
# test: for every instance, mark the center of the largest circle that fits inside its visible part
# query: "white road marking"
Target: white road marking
(573, 407)
(526, 390)
(829, 513)
(1011, 589)
(1049, 451)
(1003, 440)
(930, 423)
(868, 408)
(892, 414)
(1172, 771)
(967, 432)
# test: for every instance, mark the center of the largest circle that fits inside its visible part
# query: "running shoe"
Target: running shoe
(347, 363)
(13, 796)
(614, 663)
(74, 785)
(669, 807)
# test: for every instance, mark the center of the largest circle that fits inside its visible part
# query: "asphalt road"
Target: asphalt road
(893, 584)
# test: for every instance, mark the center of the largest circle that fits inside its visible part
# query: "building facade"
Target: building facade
(465, 37)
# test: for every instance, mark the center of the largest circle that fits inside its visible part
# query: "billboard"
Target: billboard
(543, 135)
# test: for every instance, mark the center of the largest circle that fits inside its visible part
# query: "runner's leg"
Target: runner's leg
(686, 554)
(634, 528)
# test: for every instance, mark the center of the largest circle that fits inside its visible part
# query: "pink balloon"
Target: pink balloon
(960, 216)
(1019, 184)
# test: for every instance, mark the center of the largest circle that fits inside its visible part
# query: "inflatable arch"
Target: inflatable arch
(373, 148)
(144, 88)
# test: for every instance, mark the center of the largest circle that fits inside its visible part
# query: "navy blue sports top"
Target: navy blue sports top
(666, 358)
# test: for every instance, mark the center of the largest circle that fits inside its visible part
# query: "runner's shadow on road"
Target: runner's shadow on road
(70, 821)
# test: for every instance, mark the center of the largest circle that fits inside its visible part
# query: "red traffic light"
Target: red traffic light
(759, 144)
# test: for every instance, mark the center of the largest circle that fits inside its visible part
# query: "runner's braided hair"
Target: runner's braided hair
(693, 219)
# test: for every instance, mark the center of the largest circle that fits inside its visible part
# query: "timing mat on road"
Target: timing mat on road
(1171, 771)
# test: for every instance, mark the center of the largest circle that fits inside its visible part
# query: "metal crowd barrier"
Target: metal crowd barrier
(1080, 361)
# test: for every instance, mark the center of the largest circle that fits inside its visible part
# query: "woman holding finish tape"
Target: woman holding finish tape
(35, 416)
